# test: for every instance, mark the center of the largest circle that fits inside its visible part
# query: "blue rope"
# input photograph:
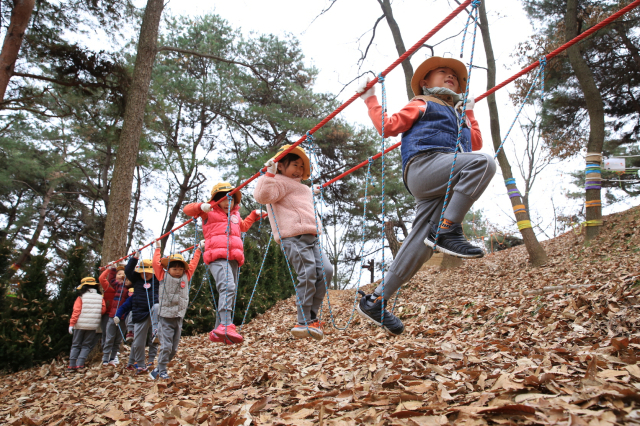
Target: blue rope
(539, 77)
(474, 10)
(246, 312)
(510, 181)
(383, 91)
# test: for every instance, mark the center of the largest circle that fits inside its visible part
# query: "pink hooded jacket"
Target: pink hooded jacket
(292, 204)
(214, 227)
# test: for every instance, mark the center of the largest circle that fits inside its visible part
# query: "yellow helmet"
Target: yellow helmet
(174, 258)
(146, 266)
(89, 281)
(225, 187)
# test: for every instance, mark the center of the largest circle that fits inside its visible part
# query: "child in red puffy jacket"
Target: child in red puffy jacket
(224, 252)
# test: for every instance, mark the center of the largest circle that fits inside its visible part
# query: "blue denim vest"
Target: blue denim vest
(436, 131)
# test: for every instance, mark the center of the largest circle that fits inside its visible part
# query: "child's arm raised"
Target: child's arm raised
(268, 189)
(130, 269)
(157, 266)
(104, 279)
(250, 220)
(399, 122)
(476, 136)
(194, 263)
(195, 210)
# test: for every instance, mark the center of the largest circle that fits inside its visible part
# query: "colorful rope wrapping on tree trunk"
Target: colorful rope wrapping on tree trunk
(593, 175)
(594, 203)
(514, 193)
(524, 224)
(510, 181)
(594, 222)
(520, 208)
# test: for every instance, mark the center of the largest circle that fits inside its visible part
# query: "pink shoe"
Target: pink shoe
(229, 332)
(215, 339)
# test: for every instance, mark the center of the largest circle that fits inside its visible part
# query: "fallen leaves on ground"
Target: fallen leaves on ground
(468, 356)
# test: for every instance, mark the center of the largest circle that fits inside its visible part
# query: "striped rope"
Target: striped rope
(514, 193)
(510, 181)
(520, 208)
(594, 203)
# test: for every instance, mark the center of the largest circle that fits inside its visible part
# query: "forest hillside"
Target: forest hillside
(481, 346)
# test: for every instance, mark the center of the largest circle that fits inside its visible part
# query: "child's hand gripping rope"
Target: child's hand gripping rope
(368, 93)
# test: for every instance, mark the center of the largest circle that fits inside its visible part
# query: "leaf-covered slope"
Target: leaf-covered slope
(477, 350)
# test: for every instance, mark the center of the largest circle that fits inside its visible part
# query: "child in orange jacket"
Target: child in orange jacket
(87, 311)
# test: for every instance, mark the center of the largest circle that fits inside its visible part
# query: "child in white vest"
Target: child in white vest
(174, 301)
(87, 311)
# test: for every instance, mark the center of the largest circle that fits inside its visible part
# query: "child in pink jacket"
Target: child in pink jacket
(224, 252)
(296, 231)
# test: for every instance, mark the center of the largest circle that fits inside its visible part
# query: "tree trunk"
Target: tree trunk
(595, 107)
(397, 38)
(115, 232)
(134, 217)
(389, 231)
(42, 215)
(20, 16)
(537, 255)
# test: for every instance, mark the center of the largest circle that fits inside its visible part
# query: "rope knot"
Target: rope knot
(309, 137)
(370, 159)
(380, 78)
(475, 3)
(543, 61)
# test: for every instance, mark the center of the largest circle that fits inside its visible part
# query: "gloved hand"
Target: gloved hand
(116, 320)
(138, 254)
(272, 166)
(317, 189)
(201, 245)
(158, 244)
(205, 207)
(257, 213)
(368, 93)
(471, 102)
(70, 329)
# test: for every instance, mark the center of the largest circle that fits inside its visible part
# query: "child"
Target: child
(292, 204)
(174, 300)
(220, 247)
(429, 124)
(113, 280)
(129, 337)
(87, 309)
(144, 312)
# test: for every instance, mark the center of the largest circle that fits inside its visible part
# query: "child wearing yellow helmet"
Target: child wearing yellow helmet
(292, 204)
(85, 320)
(429, 127)
(174, 274)
(224, 251)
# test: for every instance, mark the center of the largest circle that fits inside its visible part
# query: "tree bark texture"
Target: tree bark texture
(20, 16)
(389, 231)
(537, 255)
(397, 38)
(595, 107)
(115, 232)
(134, 216)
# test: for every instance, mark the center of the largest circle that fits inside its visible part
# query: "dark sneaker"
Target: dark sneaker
(164, 376)
(453, 242)
(370, 308)
(154, 374)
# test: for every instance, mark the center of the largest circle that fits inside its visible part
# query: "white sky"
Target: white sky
(332, 44)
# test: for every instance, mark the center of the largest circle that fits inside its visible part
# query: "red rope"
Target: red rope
(329, 117)
(408, 53)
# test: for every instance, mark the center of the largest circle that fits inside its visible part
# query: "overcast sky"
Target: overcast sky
(333, 43)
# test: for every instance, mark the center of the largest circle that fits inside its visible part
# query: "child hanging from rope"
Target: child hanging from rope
(143, 305)
(87, 311)
(113, 279)
(174, 300)
(292, 204)
(429, 124)
(224, 252)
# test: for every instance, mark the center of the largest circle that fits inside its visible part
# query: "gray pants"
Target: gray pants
(304, 255)
(427, 179)
(225, 274)
(170, 331)
(104, 319)
(112, 338)
(130, 326)
(81, 345)
(143, 336)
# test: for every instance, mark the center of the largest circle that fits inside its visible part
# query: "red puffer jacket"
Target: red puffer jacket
(214, 227)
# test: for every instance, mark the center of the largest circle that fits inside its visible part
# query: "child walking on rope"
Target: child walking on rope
(87, 312)
(429, 127)
(143, 305)
(292, 204)
(174, 300)
(113, 281)
(224, 252)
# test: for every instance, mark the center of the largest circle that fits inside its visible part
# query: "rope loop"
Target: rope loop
(370, 159)
(380, 78)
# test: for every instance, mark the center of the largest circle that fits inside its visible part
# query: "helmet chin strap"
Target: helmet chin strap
(442, 91)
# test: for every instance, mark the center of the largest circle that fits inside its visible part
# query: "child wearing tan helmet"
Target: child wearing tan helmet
(429, 127)
(174, 274)
(87, 312)
(292, 204)
(224, 252)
